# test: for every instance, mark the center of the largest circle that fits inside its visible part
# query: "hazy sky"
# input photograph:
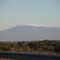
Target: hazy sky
(17, 12)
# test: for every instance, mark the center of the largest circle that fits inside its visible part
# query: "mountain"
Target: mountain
(28, 32)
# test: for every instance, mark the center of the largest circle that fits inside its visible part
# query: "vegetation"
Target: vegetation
(46, 46)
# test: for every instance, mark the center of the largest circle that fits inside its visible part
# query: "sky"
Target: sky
(37, 12)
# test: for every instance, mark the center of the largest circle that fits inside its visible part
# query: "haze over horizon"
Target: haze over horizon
(32, 12)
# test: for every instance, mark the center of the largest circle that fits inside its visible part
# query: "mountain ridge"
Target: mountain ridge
(27, 32)
(30, 25)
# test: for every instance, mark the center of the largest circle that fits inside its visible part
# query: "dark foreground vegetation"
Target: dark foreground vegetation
(46, 46)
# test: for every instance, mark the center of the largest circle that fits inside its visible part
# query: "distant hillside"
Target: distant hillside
(27, 32)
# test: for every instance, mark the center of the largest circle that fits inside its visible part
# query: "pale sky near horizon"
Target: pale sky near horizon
(17, 12)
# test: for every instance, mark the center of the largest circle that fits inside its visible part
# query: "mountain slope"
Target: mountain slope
(28, 32)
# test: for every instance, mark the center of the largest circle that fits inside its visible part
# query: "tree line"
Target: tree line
(46, 46)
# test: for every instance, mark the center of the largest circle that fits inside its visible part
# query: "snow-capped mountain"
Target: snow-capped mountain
(29, 32)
